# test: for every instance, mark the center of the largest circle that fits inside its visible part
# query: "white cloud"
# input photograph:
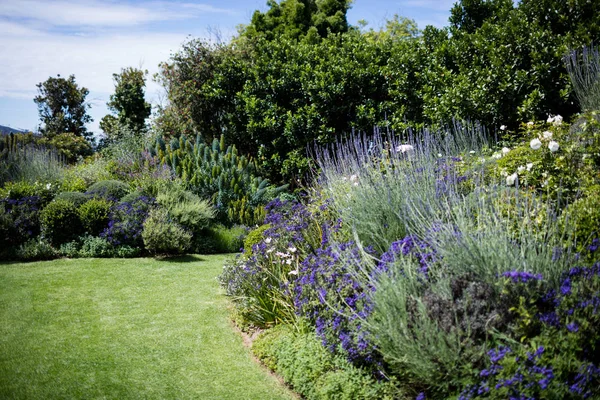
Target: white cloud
(93, 13)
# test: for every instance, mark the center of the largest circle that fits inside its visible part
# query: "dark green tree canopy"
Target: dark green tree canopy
(128, 103)
(297, 18)
(62, 107)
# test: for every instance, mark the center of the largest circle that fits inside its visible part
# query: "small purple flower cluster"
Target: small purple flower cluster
(330, 293)
(126, 222)
(530, 375)
(576, 295)
(409, 246)
(24, 216)
(522, 277)
(447, 176)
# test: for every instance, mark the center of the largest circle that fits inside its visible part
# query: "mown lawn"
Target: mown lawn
(123, 329)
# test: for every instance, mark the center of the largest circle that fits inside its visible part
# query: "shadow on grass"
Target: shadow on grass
(188, 258)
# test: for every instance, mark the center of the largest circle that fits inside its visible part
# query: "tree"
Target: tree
(127, 103)
(62, 107)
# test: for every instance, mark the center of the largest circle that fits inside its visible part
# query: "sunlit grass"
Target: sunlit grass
(121, 329)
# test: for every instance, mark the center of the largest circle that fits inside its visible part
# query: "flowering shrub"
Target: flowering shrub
(330, 294)
(560, 359)
(126, 221)
(20, 219)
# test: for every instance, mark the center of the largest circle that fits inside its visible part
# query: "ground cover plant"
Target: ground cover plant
(123, 329)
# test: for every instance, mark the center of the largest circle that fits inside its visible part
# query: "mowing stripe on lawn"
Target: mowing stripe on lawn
(123, 329)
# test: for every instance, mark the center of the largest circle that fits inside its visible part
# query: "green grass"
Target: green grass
(123, 329)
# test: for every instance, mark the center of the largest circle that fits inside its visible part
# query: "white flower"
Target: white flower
(530, 123)
(280, 254)
(520, 169)
(344, 179)
(268, 240)
(535, 144)
(48, 186)
(293, 272)
(558, 120)
(440, 155)
(353, 178)
(405, 148)
(529, 166)
(292, 249)
(550, 119)
(503, 127)
(270, 250)
(472, 152)
(355, 183)
(511, 179)
(553, 146)
(288, 261)
(505, 151)
(547, 135)
(497, 155)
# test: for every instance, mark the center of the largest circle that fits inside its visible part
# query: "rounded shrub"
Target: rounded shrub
(34, 250)
(112, 190)
(582, 219)
(76, 198)
(255, 237)
(187, 209)
(94, 215)
(60, 222)
(162, 235)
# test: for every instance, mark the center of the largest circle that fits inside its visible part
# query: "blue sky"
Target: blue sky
(93, 39)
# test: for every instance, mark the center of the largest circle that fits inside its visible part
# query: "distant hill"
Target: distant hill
(5, 130)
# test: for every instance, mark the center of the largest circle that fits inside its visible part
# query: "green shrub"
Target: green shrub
(219, 239)
(187, 209)
(112, 190)
(70, 249)
(312, 370)
(127, 251)
(93, 246)
(20, 189)
(94, 215)
(255, 236)
(582, 219)
(76, 198)
(36, 249)
(162, 235)
(81, 176)
(60, 222)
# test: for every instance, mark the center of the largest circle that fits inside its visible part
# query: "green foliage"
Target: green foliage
(313, 371)
(62, 107)
(255, 236)
(19, 189)
(162, 235)
(128, 104)
(76, 198)
(93, 246)
(68, 145)
(36, 249)
(94, 215)
(111, 189)
(218, 173)
(219, 239)
(84, 174)
(22, 160)
(298, 18)
(187, 209)
(60, 222)
(582, 219)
